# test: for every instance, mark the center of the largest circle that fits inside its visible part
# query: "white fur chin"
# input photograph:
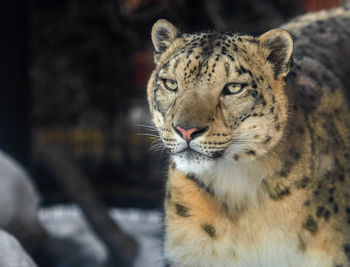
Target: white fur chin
(234, 183)
(193, 166)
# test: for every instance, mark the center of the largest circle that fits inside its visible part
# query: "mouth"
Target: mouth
(190, 153)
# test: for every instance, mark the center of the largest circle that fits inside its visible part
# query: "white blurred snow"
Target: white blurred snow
(71, 242)
(18, 197)
(66, 222)
(12, 253)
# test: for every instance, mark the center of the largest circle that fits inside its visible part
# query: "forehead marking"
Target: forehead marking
(235, 47)
(188, 64)
(165, 66)
(177, 61)
(230, 57)
(208, 43)
(227, 68)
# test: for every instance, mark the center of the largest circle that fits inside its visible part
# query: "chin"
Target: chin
(192, 162)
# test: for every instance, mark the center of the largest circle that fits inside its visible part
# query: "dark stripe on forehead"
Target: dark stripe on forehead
(230, 57)
(176, 63)
(165, 66)
(227, 68)
(200, 65)
(208, 43)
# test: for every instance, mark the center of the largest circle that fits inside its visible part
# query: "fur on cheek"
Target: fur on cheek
(158, 119)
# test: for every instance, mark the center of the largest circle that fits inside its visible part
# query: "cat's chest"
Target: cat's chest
(199, 232)
(215, 243)
(212, 242)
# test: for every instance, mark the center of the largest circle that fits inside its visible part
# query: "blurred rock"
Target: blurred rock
(12, 253)
(19, 204)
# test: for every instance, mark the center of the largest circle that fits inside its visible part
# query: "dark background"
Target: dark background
(73, 74)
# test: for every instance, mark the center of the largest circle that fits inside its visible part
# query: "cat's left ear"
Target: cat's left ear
(163, 34)
(279, 46)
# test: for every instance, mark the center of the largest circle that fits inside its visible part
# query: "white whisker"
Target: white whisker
(156, 147)
(147, 134)
(156, 141)
(148, 127)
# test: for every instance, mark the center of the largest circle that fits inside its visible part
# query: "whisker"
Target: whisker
(149, 127)
(147, 134)
(156, 147)
(156, 141)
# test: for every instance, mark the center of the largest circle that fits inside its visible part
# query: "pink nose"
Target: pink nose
(186, 133)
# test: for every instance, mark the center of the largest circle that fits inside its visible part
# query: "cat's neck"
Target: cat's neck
(238, 184)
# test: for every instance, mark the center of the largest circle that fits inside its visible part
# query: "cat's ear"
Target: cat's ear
(163, 34)
(279, 47)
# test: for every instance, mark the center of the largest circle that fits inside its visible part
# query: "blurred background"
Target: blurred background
(74, 111)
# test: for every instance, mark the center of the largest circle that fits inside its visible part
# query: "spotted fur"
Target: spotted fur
(265, 179)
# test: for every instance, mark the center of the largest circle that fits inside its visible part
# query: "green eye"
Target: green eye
(233, 88)
(170, 85)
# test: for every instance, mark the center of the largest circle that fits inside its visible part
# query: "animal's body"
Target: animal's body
(260, 148)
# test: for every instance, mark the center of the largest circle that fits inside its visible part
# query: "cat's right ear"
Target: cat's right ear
(279, 45)
(163, 34)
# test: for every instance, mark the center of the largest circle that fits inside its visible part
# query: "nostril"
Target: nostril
(176, 130)
(199, 132)
(189, 134)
